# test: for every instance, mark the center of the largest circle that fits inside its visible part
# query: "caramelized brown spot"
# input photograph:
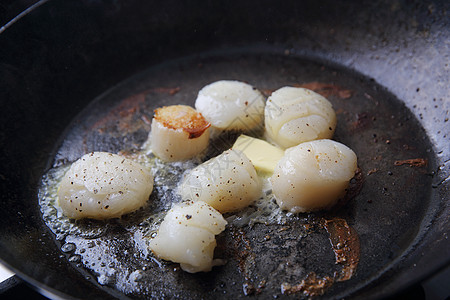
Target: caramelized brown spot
(370, 172)
(414, 162)
(182, 117)
(346, 247)
(311, 286)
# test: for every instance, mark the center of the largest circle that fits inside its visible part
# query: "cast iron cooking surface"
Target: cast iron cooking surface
(386, 213)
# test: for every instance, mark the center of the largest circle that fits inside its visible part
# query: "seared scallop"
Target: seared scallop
(297, 115)
(102, 185)
(178, 132)
(227, 182)
(231, 105)
(313, 175)
(187, 236)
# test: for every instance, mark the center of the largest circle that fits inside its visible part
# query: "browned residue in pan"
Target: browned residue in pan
(242, 244)
(363, 120)
(326, 89)
(122, 117)
(311, 286)
(165, 90)
(414, 162)
(244, 256)
(371, 171)
(345, 244)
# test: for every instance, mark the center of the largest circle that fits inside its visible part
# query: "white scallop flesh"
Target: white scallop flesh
(313, 175)
(297, 115)
(174, 144)
(103, 185)
(187, 236)
(178, 132)
(231, 105)
(227, 182)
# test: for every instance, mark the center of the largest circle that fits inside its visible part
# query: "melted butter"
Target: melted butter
(264, 210)
(116, 251)
(117, 260)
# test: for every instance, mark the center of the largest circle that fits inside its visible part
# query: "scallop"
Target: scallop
(231, 105)
(227, 182)
(297, 115)
(178, 132)
(187, 236)
(313, 175)
(103, 185)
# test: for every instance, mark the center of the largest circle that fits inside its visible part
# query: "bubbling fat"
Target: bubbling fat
(178, 133)
(297, 115)
(313, 175)
(103, 185)
(187, 236)
(231, 105)
(227, 182)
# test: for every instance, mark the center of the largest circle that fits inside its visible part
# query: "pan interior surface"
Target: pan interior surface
(394, 157)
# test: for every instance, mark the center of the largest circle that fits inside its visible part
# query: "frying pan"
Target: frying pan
(383, 64)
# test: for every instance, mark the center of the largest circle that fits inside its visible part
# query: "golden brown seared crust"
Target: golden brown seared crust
(182, 117)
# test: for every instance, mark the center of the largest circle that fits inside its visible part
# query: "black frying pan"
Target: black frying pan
(383, 65)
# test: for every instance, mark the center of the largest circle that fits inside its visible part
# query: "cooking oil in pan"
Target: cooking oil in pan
(94, 244)
(269, 252)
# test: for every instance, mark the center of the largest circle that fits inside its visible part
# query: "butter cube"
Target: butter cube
(263, 155)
